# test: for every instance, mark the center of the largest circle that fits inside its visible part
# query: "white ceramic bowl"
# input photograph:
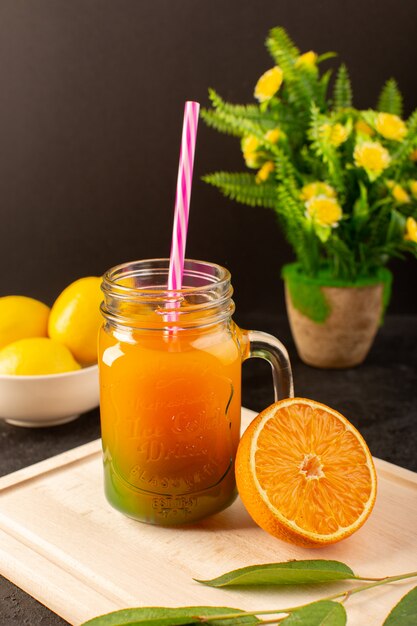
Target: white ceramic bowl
(50, 399)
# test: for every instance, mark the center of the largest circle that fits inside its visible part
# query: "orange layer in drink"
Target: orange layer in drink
(170, 417)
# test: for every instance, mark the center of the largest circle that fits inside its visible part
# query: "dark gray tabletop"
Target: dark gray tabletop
(379, 398)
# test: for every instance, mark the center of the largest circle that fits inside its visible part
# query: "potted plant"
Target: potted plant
(343, 184)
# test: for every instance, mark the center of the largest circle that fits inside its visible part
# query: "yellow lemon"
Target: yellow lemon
(36, 356)
(75, 318)
(22, 317)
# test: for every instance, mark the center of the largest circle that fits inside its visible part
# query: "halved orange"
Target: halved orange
(305, 474)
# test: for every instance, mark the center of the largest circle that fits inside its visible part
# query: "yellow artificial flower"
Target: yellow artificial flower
(363, 128)
(273, 135)
(335, 134)
(317, 189)
(413, 155)
(390, 126)
(399, 193)
(268, 84)
(252, 159)
(411, 229)
(413, 187)
(373, 157)
(249, 145)
(338, 134)
(264, 172)
(325, 131)
(308, 59)
(324, 211)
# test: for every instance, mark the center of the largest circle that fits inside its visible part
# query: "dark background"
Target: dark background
(91, 103)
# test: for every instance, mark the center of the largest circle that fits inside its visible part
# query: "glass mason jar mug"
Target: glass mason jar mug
(170, 385)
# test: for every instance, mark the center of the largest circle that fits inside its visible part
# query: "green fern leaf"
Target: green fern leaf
(327, 153)
(215, 121)
(301, 85)
(341, 258)
(412, 123)
(378, 225)
(286, 174)
(237, 120)
(400, 158)
(237, 126)
(323, 88)
(250, 112)
(342, 93)
(282, 49)
(390, 99)
(306, 85)
(285, 54)
(243, 188)
(290, 216)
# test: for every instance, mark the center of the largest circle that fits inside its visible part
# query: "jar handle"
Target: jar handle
(265, 346)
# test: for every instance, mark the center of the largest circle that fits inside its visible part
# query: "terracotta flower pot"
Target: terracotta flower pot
(334, 326)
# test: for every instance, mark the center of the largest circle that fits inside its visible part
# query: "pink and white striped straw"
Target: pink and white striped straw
(183, 195)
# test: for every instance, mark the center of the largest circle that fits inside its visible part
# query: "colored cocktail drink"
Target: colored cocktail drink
(170, 376)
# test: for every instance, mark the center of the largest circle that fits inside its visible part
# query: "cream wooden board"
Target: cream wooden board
(62, 543)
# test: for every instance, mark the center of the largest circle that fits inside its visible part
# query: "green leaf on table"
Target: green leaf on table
(322, 613)
(162, 616)
(405, 612)
(288, 573)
